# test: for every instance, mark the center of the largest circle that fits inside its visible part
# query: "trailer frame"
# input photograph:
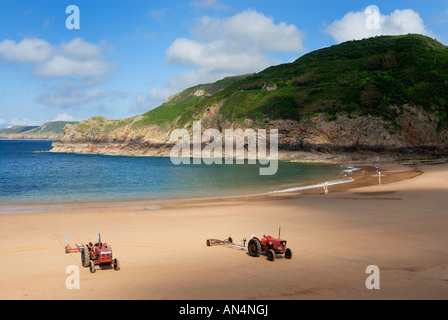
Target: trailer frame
(72, 248)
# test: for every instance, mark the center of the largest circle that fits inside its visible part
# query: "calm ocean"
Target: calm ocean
(29, 174)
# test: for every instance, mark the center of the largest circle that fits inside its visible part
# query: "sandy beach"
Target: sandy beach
(400, 225)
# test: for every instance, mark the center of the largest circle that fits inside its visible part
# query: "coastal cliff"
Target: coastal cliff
(379, 95)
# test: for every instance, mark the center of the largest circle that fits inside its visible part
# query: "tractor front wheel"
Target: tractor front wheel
(116, 264)
(92, 266)
(288, 253)
(271, 255)
(254, 247)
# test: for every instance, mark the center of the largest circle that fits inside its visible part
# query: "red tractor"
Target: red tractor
(98, 254)
(269, 245)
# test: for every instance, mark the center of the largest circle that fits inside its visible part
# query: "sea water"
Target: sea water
(31, 174)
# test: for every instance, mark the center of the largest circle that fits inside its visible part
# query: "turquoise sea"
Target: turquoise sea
(30, 174)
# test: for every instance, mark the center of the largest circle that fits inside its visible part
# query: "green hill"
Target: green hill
(357, 77)
(388, 91)
(15, 130)
(181, 103)
(51, 131)
(56, 127)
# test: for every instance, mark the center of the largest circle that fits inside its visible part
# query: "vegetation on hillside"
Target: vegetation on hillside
(50, 127)
(28, 132)
(374, 76)
(15, 130)
(180, 103)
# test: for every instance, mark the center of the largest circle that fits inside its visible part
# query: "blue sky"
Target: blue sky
(128, 56)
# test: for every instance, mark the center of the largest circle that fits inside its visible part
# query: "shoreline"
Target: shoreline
(357, 176)
(348, 169)
(311, 153)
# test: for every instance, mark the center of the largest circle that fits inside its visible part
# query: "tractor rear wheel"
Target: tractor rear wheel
(271, 255)
(116, 265)
(254, 247)
(288, 253)
(85, 257)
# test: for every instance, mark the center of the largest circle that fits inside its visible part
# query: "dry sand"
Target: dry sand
(401, 226)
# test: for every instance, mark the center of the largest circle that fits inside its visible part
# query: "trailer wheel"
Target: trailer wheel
(92, 266)
(288, 253)
(85, 257)
(208, 243)
(66, 249)
(254, 247)
(271, 255)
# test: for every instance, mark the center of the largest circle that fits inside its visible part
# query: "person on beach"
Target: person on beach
(326, 187)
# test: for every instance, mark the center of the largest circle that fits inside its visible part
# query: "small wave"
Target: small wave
(320, 185)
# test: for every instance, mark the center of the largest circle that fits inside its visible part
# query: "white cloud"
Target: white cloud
(64, 117)
(28, 50)
(218, 55)
(75, 58)
(77, 66)
(254, 29)
(231, 46)
(369, 23)
(24, 122)
(70, 93)
(2, 121)
(78, 48)
(61, 66)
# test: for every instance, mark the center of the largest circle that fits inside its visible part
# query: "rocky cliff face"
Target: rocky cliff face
(123, 140)
(414, 131)
(413, 128)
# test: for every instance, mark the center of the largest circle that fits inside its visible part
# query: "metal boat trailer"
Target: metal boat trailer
(226, 242)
